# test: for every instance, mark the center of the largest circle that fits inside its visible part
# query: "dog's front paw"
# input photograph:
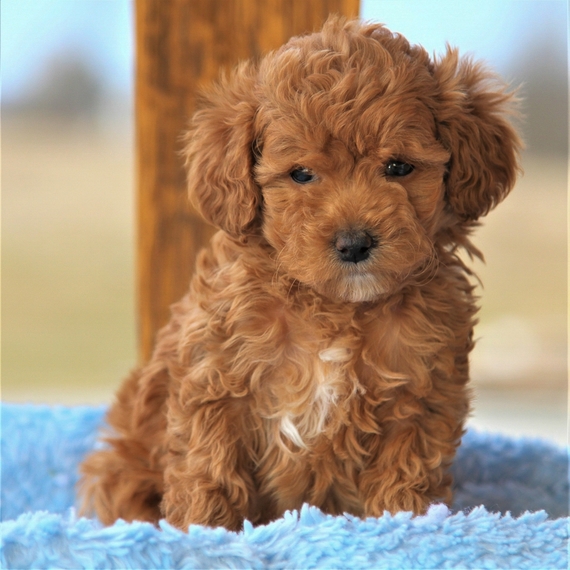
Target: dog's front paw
(205, 505)
(404, 500)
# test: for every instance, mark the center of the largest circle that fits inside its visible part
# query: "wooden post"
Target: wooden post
(181, 45)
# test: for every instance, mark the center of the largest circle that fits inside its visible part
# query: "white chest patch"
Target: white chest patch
(290, 431)
(312, 415)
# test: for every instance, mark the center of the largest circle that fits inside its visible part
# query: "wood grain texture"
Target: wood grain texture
(180, 46)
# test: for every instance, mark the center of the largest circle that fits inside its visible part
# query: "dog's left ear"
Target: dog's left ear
(473, 124)
(219, 154)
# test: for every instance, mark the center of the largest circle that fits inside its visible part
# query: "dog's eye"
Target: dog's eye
(303, 175)
(398, 168)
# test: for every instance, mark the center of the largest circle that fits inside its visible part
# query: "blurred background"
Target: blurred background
(68, 200)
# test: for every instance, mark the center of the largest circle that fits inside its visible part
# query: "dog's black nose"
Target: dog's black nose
(353, 246)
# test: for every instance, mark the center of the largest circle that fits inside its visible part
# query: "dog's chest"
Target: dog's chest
(322, 385)
(306, 392)
(319, 381)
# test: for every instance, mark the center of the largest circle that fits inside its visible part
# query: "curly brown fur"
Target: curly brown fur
(292, 373)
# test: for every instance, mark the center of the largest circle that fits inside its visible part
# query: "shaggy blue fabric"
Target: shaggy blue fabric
(41, 448)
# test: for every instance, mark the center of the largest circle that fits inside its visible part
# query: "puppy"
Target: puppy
(321, 353)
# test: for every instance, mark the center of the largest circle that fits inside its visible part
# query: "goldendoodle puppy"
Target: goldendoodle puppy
(321, 353)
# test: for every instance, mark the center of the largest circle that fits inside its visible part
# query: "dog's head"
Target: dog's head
(352, 153)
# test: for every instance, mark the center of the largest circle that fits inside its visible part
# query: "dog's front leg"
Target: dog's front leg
(408, 472)
(207, 477)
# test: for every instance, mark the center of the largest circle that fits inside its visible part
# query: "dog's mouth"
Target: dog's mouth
(354, 281)
(360, 288)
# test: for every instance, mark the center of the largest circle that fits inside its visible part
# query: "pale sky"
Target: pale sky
(493, 30)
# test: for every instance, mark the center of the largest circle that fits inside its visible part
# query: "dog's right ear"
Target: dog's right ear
(219, 154)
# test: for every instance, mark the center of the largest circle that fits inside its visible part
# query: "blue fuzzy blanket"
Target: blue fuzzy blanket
(510, 511)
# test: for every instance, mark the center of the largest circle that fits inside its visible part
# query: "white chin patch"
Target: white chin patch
(360, 288)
